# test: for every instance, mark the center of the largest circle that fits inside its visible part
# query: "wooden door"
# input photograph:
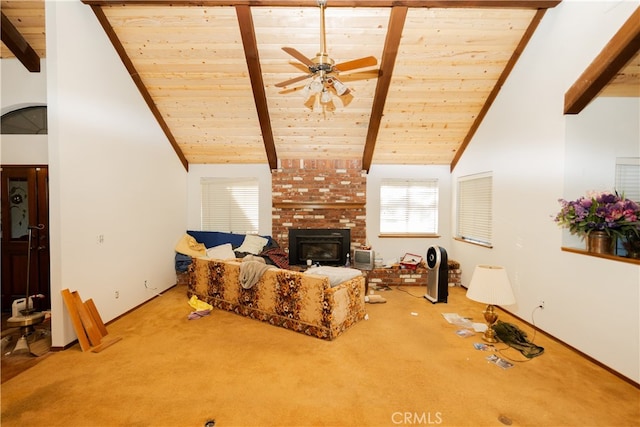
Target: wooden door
(25, 211)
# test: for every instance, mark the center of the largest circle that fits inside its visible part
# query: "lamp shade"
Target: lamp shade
(490, 285)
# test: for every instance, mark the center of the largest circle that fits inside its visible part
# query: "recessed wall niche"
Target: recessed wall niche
(605, 130)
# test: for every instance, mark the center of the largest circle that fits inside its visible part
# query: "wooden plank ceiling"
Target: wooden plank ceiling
(23, 32)
(208, 70)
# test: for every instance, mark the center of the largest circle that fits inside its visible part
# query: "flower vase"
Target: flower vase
(599, 242)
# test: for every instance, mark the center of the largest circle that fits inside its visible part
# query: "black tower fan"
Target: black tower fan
(438, 275)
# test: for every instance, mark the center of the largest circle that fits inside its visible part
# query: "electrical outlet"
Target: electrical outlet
(117, 294)
(541, 304)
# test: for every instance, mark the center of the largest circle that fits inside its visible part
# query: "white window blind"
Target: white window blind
(230, 205)
(628, 177)
(474, 214)
(409, 207)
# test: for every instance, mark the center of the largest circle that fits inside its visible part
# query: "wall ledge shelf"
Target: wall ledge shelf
(604, 256)
(317, 205)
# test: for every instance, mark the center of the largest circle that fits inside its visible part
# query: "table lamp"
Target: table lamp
(490, 285)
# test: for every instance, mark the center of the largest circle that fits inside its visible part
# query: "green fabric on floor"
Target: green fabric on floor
(516, 338)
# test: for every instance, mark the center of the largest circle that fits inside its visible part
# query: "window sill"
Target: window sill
(471, 242)
(408, 236)
(604, 256)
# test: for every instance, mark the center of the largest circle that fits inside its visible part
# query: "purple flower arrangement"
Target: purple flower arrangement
(608, 212)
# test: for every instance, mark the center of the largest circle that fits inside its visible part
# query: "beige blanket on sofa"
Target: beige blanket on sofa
(251, 270)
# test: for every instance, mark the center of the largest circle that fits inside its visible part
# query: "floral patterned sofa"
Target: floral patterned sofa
(303, 303)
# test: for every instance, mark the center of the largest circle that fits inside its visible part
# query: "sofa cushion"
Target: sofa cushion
(252, 244)
(216, 238)
(336, 275)
(224, 251)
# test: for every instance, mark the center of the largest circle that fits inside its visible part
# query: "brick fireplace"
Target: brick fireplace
(319, 194)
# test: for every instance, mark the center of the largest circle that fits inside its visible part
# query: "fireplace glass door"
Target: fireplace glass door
(323, 246)
(320, 250)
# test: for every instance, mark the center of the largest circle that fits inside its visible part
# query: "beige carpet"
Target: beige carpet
(405, 365)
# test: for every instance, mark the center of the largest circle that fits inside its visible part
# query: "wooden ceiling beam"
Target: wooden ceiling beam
(389, 54)
(122, 53)
(250, 44)
(532, 4)
(623, 46)
(18, 45)
(496, 88)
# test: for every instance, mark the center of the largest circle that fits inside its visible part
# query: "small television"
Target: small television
(364, 259)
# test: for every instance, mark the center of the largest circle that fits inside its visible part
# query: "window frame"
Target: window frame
(627, 176)
(239, 197)
(478, 229)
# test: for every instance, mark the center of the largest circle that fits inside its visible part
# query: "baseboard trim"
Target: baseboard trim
(74, 342)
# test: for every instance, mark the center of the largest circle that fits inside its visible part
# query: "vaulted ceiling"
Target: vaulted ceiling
(208, 71)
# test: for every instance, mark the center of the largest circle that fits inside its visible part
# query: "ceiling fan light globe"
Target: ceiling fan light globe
(325, 98)
(340, 87)
(306, 91)
(316, 86)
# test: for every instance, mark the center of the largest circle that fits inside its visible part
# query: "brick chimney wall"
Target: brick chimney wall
(319, 194)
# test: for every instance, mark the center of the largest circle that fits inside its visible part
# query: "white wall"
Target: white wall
(20, 88)
(12, 150)
(590, 303)
(112, 171)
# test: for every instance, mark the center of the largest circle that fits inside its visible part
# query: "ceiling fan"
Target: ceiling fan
(322, 69)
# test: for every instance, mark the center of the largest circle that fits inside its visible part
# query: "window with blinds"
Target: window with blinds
(474, 213)
(409, 207)
(628, 177)
(627, 185)
(230, 205)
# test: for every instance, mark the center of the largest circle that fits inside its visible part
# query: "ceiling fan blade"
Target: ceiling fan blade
(300, 57)
(360, 75)
(293, 80)
(368, 61)
(303, 68)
